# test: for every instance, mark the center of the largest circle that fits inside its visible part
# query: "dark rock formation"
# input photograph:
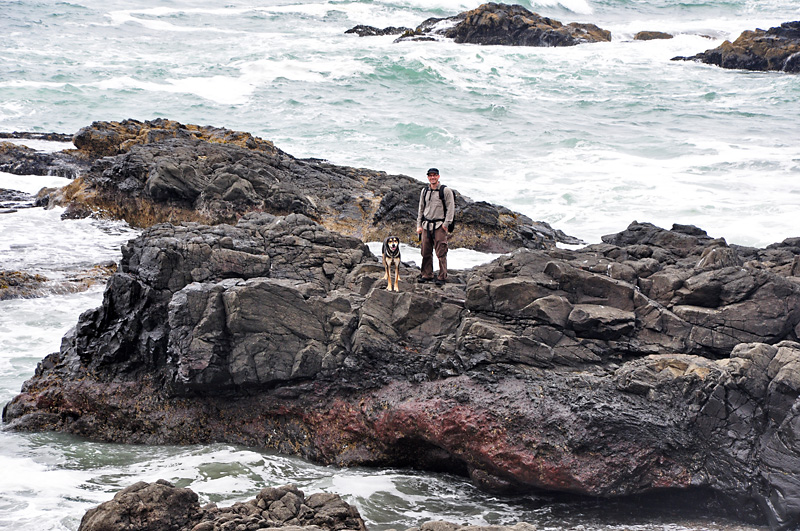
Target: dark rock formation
(651, 35)
(160, 506)
(660, 359)
(510, 25)
(23, 285)
(151, 172)
(774, 49)
(13, 200)
(22, 160)
(371, 31)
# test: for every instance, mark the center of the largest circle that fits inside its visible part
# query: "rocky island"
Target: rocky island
(773, 49)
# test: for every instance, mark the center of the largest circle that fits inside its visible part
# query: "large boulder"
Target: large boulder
(656, 360)
(509, 25)
(777, 48)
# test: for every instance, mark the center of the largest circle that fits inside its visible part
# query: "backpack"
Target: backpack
(451, 227)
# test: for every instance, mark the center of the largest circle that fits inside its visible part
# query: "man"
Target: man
(437, 206)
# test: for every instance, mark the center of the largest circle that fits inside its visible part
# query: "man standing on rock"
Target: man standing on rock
(437, 206)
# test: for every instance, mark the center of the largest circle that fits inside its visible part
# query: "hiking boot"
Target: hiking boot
(422, 280)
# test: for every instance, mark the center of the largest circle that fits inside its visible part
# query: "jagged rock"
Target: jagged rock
(510, 25)
(774, 49)
(163, 171)
(160, 506)
(659, 359)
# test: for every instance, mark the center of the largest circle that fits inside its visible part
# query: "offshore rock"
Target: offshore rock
(164, 171)
(659, 360)
(371, 31)
(652, 35)
(774, 49)
(509, 25)
(161, 506)
(22, 160)
(24, 285)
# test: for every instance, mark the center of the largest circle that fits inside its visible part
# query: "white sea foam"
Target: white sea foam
(46, 146)
(221, 89)
(31, 184)
(37, 240)
(129, 15)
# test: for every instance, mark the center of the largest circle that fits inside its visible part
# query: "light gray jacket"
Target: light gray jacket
(431, 210)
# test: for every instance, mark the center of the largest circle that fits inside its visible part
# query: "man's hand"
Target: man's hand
(419, 230)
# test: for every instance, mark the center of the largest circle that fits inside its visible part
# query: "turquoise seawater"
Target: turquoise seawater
(587, 138)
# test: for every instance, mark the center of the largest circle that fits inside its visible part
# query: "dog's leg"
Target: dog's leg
(396, 275)
(387, 265)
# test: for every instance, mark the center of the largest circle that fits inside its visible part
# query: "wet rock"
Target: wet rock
(24, 285)
(509, 25)
(777, 48)
(651, 35)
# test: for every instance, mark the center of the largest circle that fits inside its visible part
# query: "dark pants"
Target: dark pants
(439, 244)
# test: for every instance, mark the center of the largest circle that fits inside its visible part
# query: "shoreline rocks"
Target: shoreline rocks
(160, 506)
(658, 360)
(777, 48)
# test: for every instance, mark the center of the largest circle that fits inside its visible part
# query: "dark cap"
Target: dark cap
(434, 171)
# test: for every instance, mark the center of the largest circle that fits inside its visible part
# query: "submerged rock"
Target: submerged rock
(774, 49)
(509, 25)
(657, 360)
(652, 35)
(163, 171)
(371, 31)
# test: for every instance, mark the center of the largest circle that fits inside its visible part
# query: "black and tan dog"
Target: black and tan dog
(391, 257)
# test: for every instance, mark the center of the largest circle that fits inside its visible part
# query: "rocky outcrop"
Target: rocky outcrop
(657, 360)
(509, 25)
(774, 49)
(161, 506)
(163, 171)
(22, 160)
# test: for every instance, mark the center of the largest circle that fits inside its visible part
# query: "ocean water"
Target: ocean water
(586, 138)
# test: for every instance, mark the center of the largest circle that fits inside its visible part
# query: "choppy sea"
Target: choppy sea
(586, 138)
